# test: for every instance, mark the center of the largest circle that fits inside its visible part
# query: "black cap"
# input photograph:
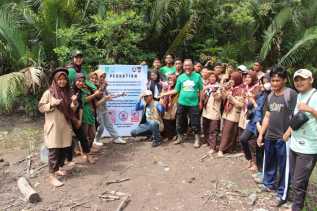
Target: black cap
(77, 53)
(59, 69)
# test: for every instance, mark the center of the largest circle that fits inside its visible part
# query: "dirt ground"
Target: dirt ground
(165, 178)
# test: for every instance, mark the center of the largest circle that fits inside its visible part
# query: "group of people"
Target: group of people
(75, 103)
(227, 108)
(238, 109)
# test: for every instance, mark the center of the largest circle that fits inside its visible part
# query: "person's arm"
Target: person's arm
(45, 105)
(103, 99)
(287, 134)
(172, 92)
(306, 108)
(258, 112)
(265, 125)
(139, 106)
(93, 96)
(160, 108)
(74, 103)
(236, 101)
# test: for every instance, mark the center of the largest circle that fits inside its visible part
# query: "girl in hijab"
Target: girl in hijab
(155, 85)
(170, 105)
(103, 117)
(251, 88)
(87, 97)
(58, 105)
(210, 104)
(78, 125)
(233, 103)
(254, 154)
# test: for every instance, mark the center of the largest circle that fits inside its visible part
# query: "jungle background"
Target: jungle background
(38, 35)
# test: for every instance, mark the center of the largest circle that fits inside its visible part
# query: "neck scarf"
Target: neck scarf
(237, 90)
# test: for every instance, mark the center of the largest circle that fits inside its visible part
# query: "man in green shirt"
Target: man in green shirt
(169, 68)
(188, 86)
(76, 67)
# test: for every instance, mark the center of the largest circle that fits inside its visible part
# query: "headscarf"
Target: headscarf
(254, 78)
(64, 94)
(237, 90)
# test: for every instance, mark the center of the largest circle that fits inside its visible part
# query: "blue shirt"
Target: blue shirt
(140, 106)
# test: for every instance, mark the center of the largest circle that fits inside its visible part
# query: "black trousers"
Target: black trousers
(80, 134)
(56, 158)
(245, 139)
(301, 167)
(182, 120)
(169, 128)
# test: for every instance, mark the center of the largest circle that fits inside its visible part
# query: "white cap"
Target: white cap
(304, 73)
(243, 69)
(147, 93)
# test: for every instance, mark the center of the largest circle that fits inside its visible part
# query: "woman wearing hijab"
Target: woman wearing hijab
(103, 117)
(251, 88)
(58, 105)
(233, 102)
(170, 105)
(255, 115)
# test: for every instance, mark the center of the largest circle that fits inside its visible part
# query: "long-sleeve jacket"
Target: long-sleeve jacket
(57, 131)
(257, 113)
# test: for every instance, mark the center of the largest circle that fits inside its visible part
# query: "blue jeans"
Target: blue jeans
(149, 128)
(276, 155)
(105, 123)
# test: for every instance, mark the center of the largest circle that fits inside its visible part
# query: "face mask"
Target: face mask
(267, 86)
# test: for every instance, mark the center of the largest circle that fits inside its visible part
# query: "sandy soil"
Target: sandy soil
(165, 178)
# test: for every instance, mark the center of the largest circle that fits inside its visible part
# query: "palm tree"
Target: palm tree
(292, 35)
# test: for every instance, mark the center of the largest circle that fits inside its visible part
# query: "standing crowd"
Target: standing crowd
(227, 108)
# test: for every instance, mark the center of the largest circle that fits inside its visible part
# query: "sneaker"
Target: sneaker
(98, 143)
(279, 202)
(197, 141)
(211, 151)
(156, 144)
(220, 154)
(119, 140)
(179, 140)
(265, 189)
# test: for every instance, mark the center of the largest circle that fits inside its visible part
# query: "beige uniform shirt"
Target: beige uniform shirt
(57, 131)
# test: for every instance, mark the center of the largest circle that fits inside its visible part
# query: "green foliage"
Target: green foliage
(11, 86)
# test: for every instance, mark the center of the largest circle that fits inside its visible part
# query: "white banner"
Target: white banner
(132, 80)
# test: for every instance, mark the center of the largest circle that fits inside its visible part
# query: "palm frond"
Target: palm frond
(11, 86)
(273, 30)
(301, 47)
(32, 77)
(12, 35)
(17, 84)
(186, 33)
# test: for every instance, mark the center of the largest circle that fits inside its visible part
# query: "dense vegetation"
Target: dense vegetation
(43, 33)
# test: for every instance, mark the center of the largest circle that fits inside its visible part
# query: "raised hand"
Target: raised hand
(74, 98)
(56, 102)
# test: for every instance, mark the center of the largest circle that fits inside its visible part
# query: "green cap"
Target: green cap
(77, 53)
